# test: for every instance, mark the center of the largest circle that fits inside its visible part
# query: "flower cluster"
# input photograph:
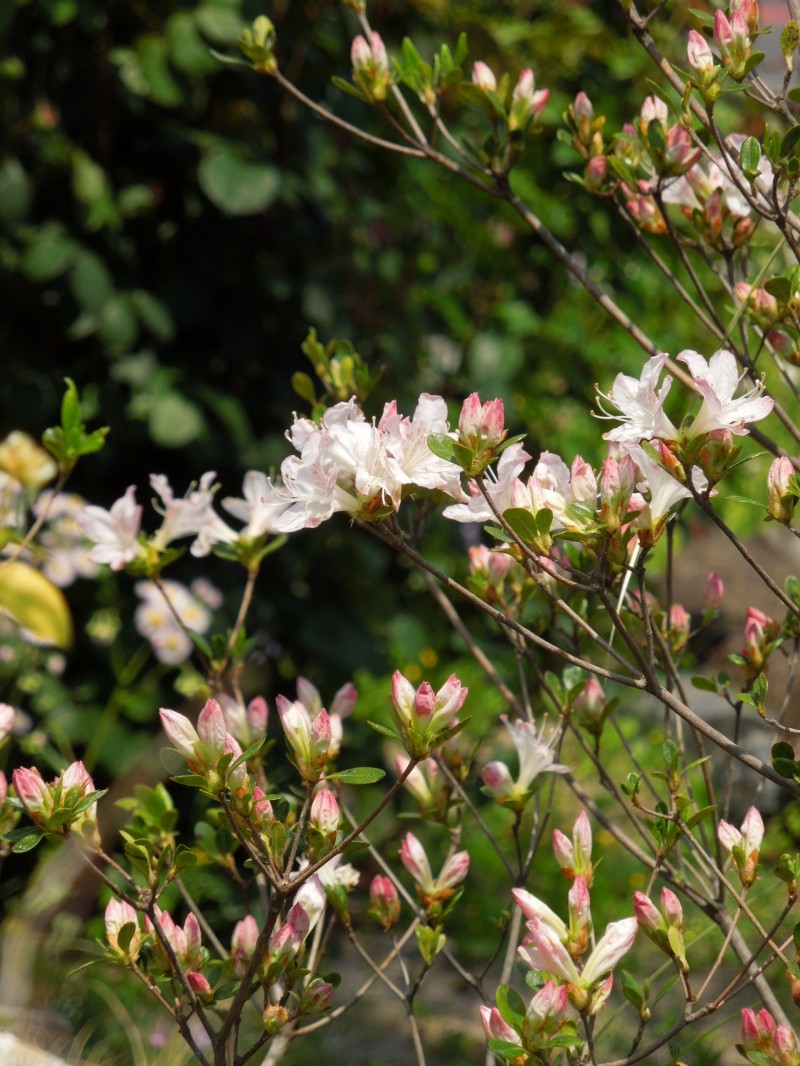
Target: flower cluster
(426, 717)
(765, 1041)
(210, 751)
(66, 804)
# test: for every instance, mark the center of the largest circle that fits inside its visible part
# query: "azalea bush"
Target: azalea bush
(564, 603)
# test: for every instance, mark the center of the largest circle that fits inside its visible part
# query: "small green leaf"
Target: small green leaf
(384, 730)
(304, 387)
(511, 1006)
(442, 445)
(753, 60)
(705, 684)
(778, 286)
(359, 775)
(235, 185)
(27, 842)
(750, 156)
(782, 750)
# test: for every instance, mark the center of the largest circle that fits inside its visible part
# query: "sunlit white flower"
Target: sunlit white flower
(716, 381)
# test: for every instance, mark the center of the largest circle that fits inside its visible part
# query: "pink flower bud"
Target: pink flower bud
(345, 700)
(424, 714)
(370, 66)
(454, 870)
(324, 815)
(258, 716)
(243, 944)
(31, 791)
(181, 733)
(595, 174)
(526, 103)
(699, 55)
(723, 31)
(680, 624)
(119, 913)
(747, 842)
(481, 426)
(200, 986)
(781, 503)
(496, 1028)
(714, 590)
(316, 998)
(483, 78)
(582, 107)
(384, 901)
(413, 857)
(647, 914)
(580, 917)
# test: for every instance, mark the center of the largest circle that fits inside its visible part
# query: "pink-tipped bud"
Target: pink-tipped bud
(243, 944)
(526, 102)
(713, 590)
(483, 78)
(200, 986)
(384, 905)
(118, 914)
(258, 716)
(680, 625)
(324, 816)
(595, 173)
(781, 502)
(31, 791)
(699, 55)
(370, 66)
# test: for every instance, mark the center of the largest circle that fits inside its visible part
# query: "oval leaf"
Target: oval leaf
(35, 603)
(359, 775)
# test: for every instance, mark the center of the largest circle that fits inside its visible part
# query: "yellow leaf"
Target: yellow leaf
(35, 604)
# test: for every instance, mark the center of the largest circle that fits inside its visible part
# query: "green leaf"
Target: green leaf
(90, 281)
(304, 387)
(790, 139)
(524, 523)
(153, 314)
(750, 156)
(511, 1006)
(174, 421)
(705, 684)
(187, 49)
(631, 990)
(778, 286)
(235, 185)
(221, 24)
(785, 767)
(16, 191)
(359, 775)
(27, 842)
(49, 255)
(505, 1049)
(790, 37)
(698, 816)
(442, 445)
(117, 323)
(753, 60)
(384, 730)
(782, 750)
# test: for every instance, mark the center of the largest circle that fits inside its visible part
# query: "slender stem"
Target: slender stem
(329, 116)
